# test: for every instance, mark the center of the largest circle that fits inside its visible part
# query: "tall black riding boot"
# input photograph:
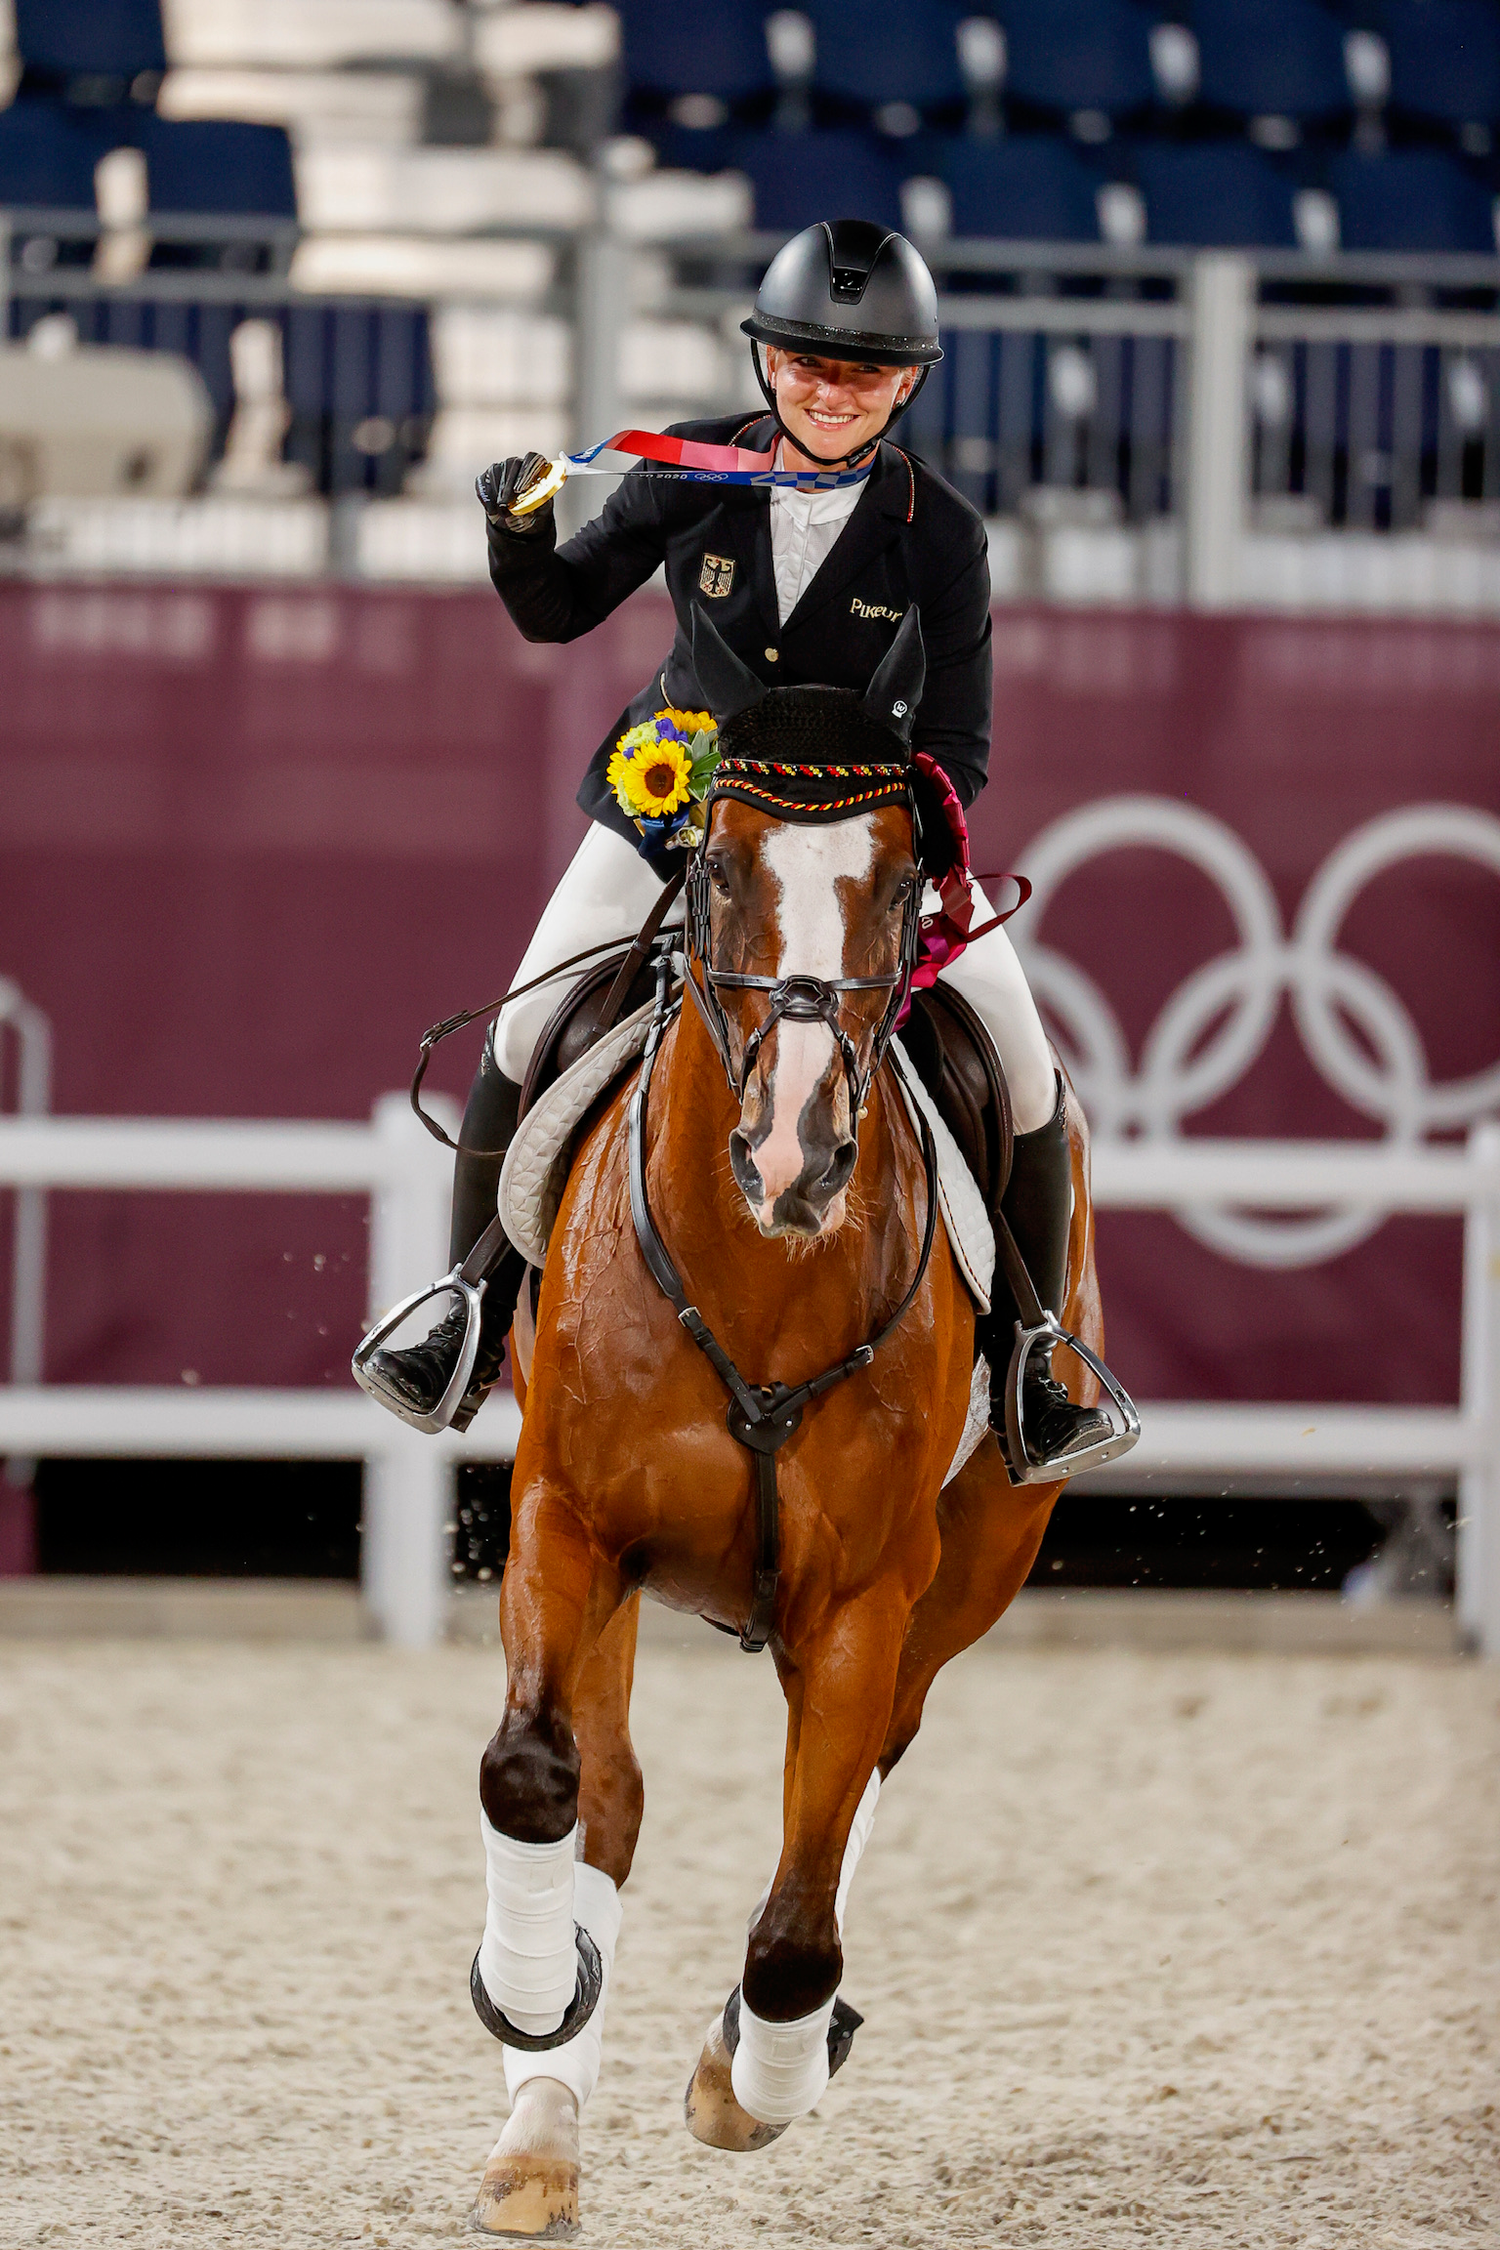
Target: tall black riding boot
(422, 1372)
(1038, 1207)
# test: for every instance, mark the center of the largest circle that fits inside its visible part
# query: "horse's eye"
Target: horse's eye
(902, 893)
(718, 877)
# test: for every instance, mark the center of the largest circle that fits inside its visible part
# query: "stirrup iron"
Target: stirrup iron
(1018, 1460)
(440, 1417)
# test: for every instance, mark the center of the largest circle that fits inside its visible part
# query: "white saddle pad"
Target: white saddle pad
(536, 1165)
(535, 1172)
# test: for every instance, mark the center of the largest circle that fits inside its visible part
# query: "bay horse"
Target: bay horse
(782, 1174)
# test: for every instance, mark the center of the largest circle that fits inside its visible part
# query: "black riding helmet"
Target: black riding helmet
(847, 290)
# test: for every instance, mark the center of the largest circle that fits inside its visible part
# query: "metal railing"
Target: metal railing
(1231, 395)
(32, 1035)
(1239, 393)
(405, 1550)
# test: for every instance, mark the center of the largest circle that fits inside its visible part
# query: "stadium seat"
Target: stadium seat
(217, 168)
(312, 34)
(1411, 199)
(1278, 58)
(799, 178)
(1221, 194)
(1028, 187)
(92, 52)
(901, 54)
(47, 157)
(1079, 58)
(680, 47)
(1445, 58)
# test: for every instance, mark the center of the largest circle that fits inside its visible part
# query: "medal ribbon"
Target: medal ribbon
(682, 457)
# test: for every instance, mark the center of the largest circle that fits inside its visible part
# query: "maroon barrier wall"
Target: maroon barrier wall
(251, 842)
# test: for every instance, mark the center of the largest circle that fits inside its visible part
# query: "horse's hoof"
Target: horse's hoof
(713, 2115)
(530, 2184)
(526, 2196)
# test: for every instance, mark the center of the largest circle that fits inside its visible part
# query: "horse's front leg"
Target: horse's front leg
(553, 1913)
(767, 2060)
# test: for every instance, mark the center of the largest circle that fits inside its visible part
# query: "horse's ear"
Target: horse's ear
(728, 686)
(892, 696)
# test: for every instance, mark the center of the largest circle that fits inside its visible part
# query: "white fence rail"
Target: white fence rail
(408, 1477)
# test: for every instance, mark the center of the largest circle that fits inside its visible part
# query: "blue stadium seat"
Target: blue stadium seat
(1077, 55)
(889, 51)
(1445, 57)
(677, 47)
(1282, 58)
(1221, 194)
(92, 51)
(837, 173)
(47, 157)
(1028, 187)
(213, 167)
(1411, 199)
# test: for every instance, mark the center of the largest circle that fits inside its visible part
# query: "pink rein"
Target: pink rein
(946, 935)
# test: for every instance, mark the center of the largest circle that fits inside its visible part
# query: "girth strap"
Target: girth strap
(760, 1416)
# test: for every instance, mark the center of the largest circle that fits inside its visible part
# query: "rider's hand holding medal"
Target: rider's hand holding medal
(512, 493)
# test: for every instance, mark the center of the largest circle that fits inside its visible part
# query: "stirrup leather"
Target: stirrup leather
(1023, 1468)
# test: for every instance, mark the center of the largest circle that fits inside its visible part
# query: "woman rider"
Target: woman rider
(806, 587)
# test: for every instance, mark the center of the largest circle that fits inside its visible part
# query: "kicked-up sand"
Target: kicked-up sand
(1167, 1950)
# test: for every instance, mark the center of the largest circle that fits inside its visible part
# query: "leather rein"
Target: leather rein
(763, 1416)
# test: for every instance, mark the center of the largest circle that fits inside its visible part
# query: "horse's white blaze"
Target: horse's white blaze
(807, 864)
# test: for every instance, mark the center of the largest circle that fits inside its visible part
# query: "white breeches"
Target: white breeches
(606, 894)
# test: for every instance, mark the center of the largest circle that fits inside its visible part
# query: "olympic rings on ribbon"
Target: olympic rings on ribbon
(1216, 1024)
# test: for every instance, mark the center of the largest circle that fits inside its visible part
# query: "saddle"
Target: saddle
(608, 990)
(944, 1038)
(955, 1058)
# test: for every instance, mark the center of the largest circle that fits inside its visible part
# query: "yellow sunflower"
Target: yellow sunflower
(649, 777)
(689, 722)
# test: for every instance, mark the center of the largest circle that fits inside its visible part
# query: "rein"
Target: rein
(614, 1000)
(763, 1416)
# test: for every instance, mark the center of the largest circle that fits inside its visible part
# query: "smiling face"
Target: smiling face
(795, 899)
(833, 406)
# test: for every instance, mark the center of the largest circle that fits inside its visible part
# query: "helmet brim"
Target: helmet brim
(842, 343)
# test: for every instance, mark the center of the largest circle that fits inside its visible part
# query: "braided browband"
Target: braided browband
(733, 766)
(809, 791)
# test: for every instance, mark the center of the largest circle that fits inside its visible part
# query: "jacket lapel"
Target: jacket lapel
(879, 519)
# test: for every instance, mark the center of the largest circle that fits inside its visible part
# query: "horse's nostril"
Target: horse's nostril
(743, 1166)
(838, 1173)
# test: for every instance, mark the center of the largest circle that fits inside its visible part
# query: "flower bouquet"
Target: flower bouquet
(660, 772)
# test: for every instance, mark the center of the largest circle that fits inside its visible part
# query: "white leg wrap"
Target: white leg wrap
(780, 2069)
(529, 1959)
(575, 2064)
(854, 1850)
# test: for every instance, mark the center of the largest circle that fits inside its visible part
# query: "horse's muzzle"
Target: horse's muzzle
(810, 1205)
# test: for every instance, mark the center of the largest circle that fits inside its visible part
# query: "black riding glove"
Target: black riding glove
(498, 486)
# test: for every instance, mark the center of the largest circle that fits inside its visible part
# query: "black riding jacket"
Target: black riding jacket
(911, 538)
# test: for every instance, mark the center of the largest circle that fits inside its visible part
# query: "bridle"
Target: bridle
(795, 997)
(763, 1416)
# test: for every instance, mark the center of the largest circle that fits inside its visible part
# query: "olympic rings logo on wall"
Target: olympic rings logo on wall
(1219, 1019)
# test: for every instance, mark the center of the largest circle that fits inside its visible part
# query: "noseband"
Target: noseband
(797, 998)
